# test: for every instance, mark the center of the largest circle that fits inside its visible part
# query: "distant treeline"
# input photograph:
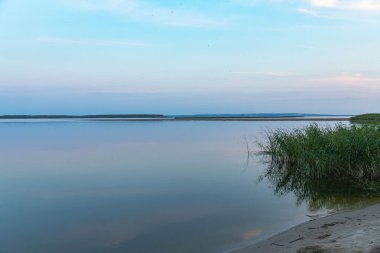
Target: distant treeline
(370, 117)
(106, 116)
(254, 115)
(161, 116)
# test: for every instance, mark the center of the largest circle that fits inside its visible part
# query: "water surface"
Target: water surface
(163, 187)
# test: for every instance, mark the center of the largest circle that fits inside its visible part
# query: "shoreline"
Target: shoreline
(265, 119)
(349, 231)
(182, 119)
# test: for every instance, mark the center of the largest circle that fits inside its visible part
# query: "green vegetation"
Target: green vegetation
(366, 118)
(330, 159)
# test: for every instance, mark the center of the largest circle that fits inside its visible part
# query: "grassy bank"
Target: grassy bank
(366, 118)
(340, 155)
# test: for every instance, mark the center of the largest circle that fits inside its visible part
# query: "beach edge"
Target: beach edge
(356, 230)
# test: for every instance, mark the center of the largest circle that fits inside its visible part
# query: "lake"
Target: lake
(162, 187)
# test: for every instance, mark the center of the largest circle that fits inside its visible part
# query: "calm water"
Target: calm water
(163, 187)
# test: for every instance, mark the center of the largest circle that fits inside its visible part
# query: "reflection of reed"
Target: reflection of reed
(325, 166)
(252, 152)
(248, 153)
(329, 194)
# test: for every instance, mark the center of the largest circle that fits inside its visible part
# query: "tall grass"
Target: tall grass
(348, 155)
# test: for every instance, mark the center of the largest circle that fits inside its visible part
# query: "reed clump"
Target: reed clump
(340, 155)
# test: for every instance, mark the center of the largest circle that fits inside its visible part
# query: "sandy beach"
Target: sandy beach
(346, 231)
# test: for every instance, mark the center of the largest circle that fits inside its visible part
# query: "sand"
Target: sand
(346, 231)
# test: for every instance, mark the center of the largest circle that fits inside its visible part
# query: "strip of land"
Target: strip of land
(347, 231)
(266, 119)
(158, 117)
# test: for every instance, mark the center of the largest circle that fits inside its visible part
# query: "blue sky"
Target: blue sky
(173, 57)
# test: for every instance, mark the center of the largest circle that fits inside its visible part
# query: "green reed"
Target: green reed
(348, 155)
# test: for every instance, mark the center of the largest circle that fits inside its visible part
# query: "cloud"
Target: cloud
(92, 42)
(360, 5)
(342, 10)
(270, 73)
(144, 11)
(365, 10)
(351, 79)
(310, 12)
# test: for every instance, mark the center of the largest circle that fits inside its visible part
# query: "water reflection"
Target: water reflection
(322, 194)
(163, 187)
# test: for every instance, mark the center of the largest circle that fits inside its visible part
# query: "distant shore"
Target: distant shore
(347, 231)
(266, 119)
(168, 118)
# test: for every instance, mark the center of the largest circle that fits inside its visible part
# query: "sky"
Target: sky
(188, 57)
